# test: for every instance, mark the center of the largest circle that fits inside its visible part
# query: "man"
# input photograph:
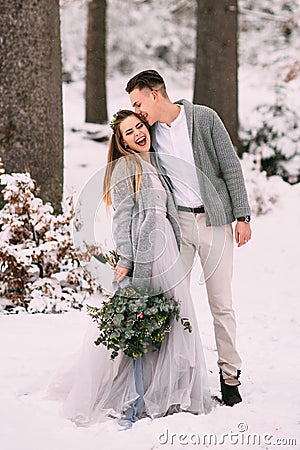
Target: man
(198, 157)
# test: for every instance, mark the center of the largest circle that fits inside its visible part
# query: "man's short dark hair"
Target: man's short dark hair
(147, 79)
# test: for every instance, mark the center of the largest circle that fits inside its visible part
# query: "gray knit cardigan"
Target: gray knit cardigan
(135, 218)
(219, 172)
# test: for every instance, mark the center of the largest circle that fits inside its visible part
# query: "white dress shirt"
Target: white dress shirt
(175, 154)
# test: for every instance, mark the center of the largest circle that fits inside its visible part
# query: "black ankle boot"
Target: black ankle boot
(230, 394)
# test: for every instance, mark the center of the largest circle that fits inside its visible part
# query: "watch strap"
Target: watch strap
(244, 219)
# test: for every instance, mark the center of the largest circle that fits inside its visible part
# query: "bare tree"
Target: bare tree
(217, 60)
(96, 105)
(31, 125)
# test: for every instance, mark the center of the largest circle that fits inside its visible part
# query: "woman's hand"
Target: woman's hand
(121, 273)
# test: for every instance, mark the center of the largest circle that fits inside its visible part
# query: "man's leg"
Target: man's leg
(216, 254)
(217, 262)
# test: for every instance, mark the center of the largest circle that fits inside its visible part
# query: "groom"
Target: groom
(209, 190)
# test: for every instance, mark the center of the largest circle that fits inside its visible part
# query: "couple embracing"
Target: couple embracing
(176, 185)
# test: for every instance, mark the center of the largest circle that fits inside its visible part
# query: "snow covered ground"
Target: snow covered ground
(266, 292)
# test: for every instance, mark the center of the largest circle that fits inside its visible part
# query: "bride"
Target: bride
(147, 238)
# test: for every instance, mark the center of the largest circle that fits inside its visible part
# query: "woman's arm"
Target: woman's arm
(123, 203)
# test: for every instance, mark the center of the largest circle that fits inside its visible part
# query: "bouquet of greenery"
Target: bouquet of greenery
(134, 319)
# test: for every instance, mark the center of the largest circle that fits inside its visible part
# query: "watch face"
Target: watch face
(247, 219)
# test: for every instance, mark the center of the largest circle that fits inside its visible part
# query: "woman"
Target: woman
(147, 236)
(132, 187)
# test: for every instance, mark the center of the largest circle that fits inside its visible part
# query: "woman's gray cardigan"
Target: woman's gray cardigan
(135, 218)
(219, 172)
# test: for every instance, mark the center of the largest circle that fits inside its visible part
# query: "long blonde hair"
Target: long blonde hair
(116, 151)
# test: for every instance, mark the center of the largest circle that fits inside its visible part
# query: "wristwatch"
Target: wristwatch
(244, 219)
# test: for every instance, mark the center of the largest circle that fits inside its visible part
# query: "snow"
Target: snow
(266, 290)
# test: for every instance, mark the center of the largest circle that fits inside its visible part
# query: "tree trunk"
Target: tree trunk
(96, 106)
(31, 124)
(217, 61)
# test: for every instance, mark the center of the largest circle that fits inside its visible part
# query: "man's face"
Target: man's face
(144, 102)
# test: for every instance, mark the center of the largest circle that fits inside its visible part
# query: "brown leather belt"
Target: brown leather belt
(198, 210)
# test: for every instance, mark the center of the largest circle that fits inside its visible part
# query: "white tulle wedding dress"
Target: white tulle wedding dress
(174, 378)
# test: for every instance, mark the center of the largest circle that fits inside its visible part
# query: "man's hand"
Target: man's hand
(121, 273)
(242, 233)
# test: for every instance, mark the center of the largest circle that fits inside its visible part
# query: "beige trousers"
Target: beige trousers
(215, 248)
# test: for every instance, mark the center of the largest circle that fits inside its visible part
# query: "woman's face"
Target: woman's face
(135, 134)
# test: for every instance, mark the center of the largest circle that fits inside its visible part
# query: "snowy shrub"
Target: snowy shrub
(40, 269)
(275, 141)
(47, 295)
(263, 191)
